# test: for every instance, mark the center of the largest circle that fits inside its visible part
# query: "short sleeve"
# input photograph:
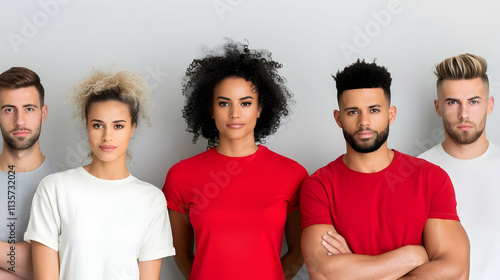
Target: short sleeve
(172, 189)
(443, 201)
(300, 175)
(157, 242)
(314, 204)
(44, 223)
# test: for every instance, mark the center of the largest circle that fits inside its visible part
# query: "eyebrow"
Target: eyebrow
(456, 99)
(370, 107)
(229, 99)
(100, 121)
(24, 106)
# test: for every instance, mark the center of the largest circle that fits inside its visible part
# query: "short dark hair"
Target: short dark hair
(236, 60)
(21, 77)
(361, 74)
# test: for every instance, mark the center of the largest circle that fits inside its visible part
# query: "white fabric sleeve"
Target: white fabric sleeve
(44, 224)
(157, 242)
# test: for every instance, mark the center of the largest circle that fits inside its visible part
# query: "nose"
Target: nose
(234, 112)
(364, 119)
(107, 135)
(464, 112)
(20, 119)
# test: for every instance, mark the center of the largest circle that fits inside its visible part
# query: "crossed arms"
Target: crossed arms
(445, 256)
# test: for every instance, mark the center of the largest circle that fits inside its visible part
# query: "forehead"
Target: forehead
(363, 97)
(462, 89)
(234, 86)
(109, 109)
(19, 96)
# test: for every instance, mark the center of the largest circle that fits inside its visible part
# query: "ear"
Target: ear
(45, 110)
(259, 111)
(336, 116)
(392, 114)
(134, 126)
(491, 103)
(436, 107)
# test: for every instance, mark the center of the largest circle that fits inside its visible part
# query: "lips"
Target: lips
(235, 125)
(365, 134)
(465, 127)
(107, 148)
(21, 133)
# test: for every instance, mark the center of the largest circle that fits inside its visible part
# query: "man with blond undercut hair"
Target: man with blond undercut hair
(463, 102)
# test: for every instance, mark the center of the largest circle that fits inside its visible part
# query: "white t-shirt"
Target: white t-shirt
(477, 188)
(101, 228)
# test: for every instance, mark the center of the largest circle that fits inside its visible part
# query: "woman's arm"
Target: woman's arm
(150, 270)
(45, 262)
(292, 261)
(183, 235)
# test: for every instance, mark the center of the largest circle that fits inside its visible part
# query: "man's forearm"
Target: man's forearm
(391, 265)
(5, 275)
(16, 259)
(438, 269)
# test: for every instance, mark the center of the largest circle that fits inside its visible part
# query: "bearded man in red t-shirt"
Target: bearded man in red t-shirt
(376, 213)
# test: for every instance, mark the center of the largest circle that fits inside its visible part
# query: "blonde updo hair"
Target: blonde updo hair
(117, 84)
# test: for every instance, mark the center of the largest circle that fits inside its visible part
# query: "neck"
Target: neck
(465, 151)
(115, 170)
(238, 148)
(24, 160)
(368, 162)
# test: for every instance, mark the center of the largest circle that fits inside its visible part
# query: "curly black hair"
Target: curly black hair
(363, 75)
(236, 60)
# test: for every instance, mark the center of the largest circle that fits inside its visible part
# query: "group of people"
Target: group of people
(373, 213)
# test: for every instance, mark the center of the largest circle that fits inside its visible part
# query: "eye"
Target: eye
(374, 110)
(245, 104)
(29, 109)
(223, 104)
(9, 110)
(352, 112)
(474, 102)
(97, 125)
(118, 126)
(452, 102)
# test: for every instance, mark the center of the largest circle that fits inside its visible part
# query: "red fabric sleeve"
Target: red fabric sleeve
(314, 204)
(443, 200)
(173, 190)
(301, 174)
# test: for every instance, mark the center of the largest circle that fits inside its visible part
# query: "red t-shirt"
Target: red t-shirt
(382, 211)
(237, 207)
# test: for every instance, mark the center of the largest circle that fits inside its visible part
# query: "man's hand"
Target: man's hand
(335, 244)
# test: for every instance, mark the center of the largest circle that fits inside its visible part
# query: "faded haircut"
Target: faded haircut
(465, 66)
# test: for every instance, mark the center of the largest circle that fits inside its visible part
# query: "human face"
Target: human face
(463, 106)
(235, 110)
(21, 117)
(109, 128)
(365, 117)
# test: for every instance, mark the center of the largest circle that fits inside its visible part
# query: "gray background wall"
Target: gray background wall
(63, 39)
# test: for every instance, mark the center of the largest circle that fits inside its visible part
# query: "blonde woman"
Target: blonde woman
(98, 221)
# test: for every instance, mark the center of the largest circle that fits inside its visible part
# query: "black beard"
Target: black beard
(365, 147)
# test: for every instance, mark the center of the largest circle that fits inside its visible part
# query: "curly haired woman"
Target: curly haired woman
(98, 221)
(236, 200)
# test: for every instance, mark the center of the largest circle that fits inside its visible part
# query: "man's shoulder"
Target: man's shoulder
(432, 153)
